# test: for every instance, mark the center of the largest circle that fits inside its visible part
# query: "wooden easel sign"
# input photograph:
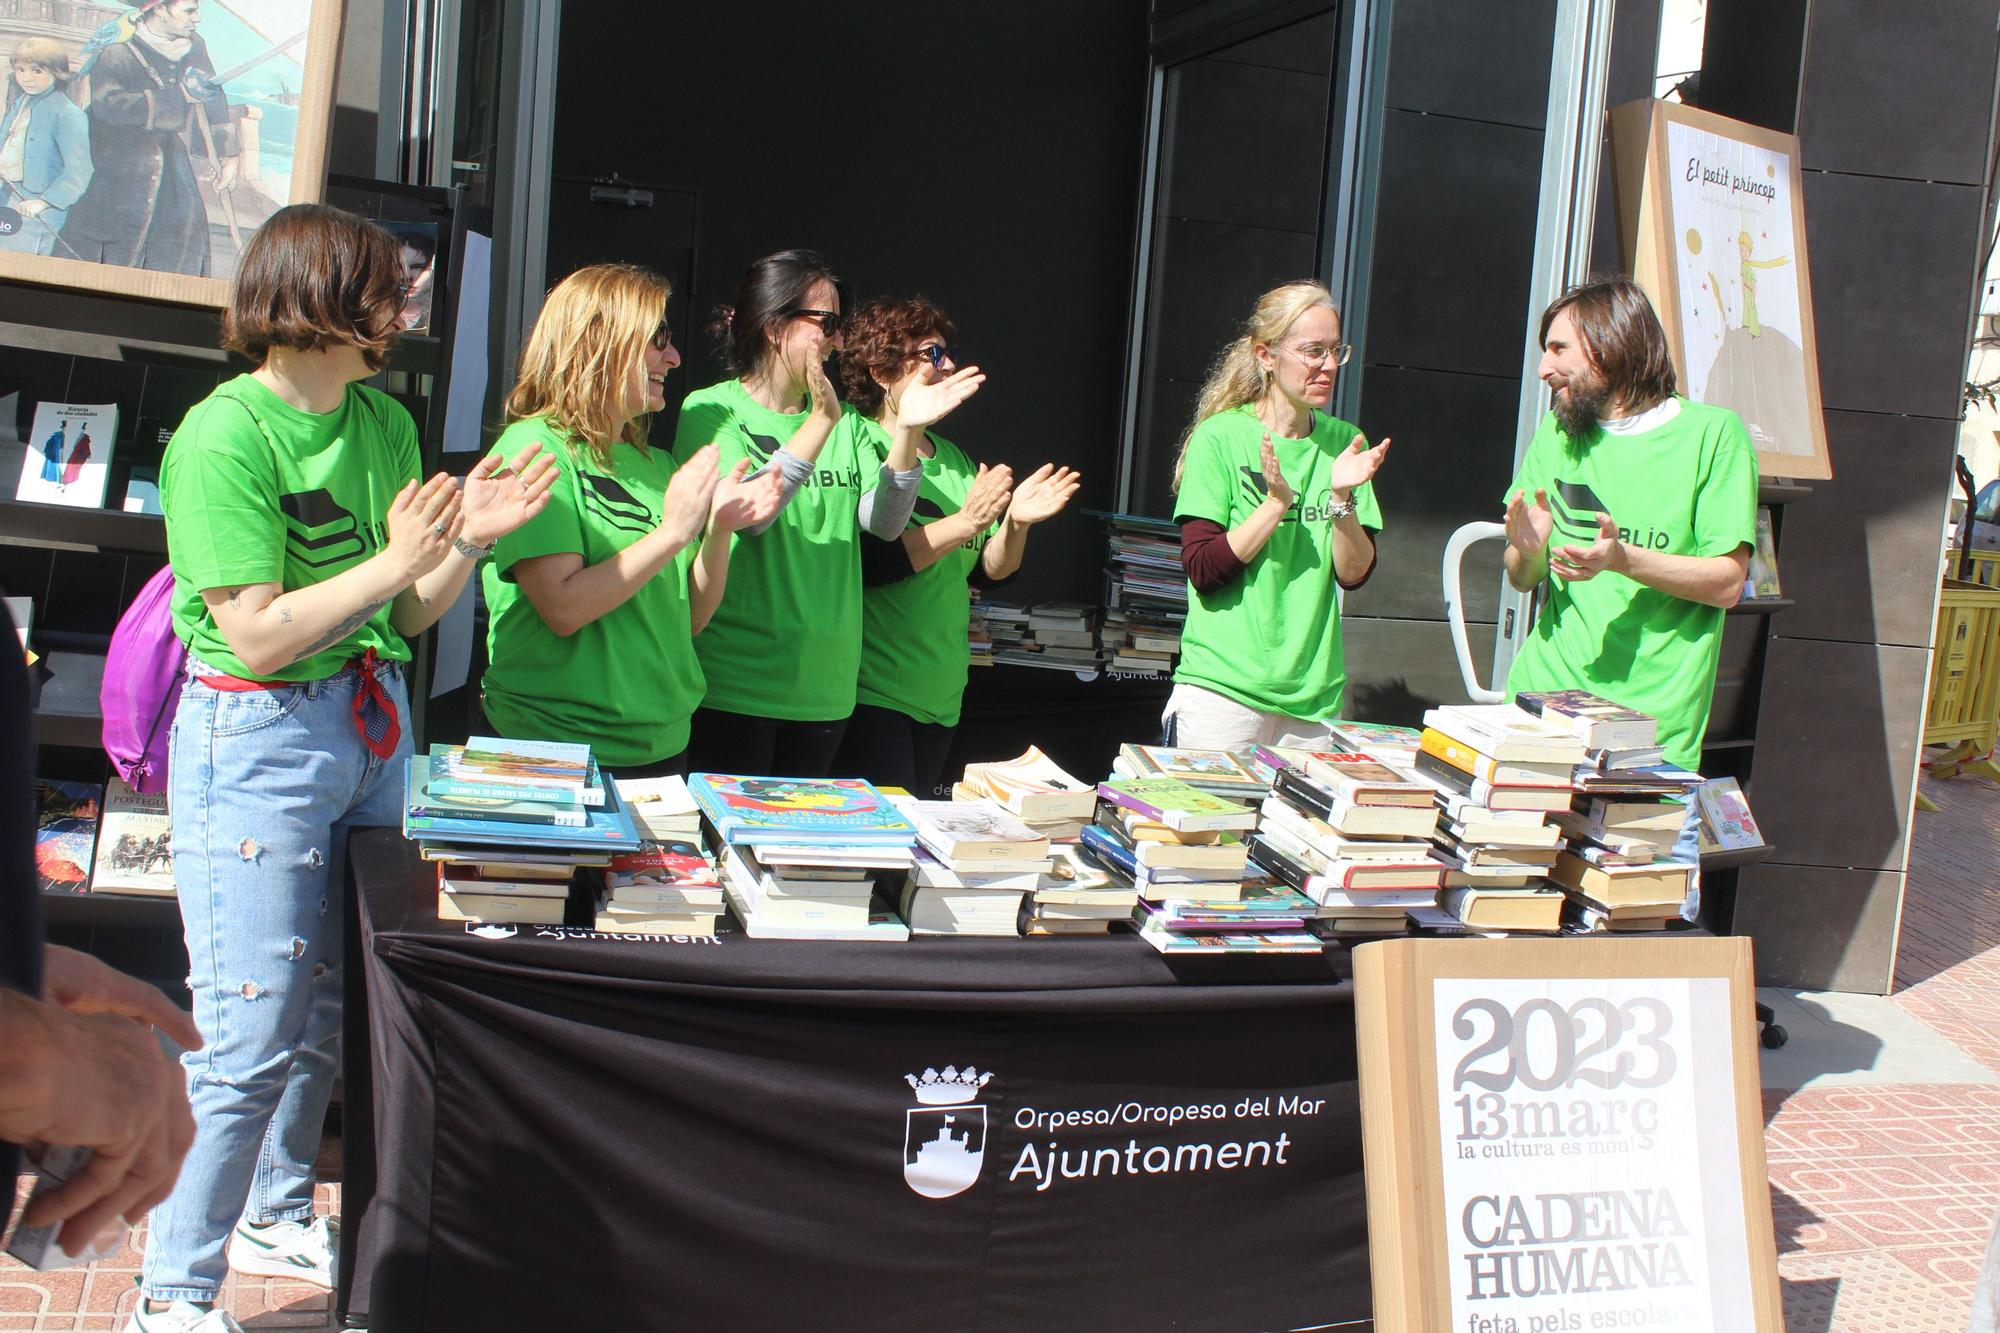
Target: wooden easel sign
(1564, 1135)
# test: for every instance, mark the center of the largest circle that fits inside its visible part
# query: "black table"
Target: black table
(567, 1130)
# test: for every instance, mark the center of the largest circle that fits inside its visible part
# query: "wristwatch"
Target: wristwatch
(1337, 509)
(471, 552)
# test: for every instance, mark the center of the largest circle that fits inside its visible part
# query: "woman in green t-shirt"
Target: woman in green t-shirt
(306, 553)
(1276, 503)
(970, 525)
(595, 602)
(782, 652)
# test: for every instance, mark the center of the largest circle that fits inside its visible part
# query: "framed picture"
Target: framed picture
(1712, 221)
(157, 136)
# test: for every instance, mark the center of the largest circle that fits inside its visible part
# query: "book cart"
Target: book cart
(80, 567)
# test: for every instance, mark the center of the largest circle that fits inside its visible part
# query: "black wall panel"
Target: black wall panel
(1856, 555)
(1398, 668)
(1236, 133)
(1893, 271)
(1475, 61)
(1454, 245)
(987, 158)
(1888, 88)
(1212, 274)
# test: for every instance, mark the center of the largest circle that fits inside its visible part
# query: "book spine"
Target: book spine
(1109, 851)
(442, 785)
(1125, 800)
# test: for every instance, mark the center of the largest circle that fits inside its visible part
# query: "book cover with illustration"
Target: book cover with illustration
(606, 827)
(135, 844)
(664, 863)
(1208, 769)
(66, 816)
(799, 810)
(68, 453)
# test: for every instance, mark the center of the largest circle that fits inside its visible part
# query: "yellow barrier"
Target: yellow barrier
(1985, 567)
(1964, 710)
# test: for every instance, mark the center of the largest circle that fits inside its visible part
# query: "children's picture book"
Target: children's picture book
(607, 827)
(66, 815)
(68, 453)
(1211, 770)
(1177, 804)
(1762, 580)
(135, 846)
(488, 766)
(1725, 815)
(799, 810)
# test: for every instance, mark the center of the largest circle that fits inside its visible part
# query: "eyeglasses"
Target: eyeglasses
(935, 353)
(829, 320)
(1314, 354)
(663, 337)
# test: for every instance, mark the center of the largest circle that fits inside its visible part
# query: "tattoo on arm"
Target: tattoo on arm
(345, 628)
(284, 615)
(236, 599)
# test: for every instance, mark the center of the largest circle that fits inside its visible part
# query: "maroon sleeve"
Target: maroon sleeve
(1206, 556)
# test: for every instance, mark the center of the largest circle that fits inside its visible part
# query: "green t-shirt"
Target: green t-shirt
(914, 656)
(1271, 639)
(1685, 487)
(258, 491)
(627, 682)
(786, 641)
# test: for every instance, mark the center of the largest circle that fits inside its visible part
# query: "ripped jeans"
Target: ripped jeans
(263, 786)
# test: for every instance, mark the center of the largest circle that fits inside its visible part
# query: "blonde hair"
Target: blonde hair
(578, 361)
(1236, 378)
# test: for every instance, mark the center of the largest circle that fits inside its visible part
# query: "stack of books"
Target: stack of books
(1217, 772)
(1268, 918)
(1061, 635)
(1616, 866)
(1352, 835)
(509, 821)
(1140, 644)
(1614, 736)
(1078, 896)
(799, 854)
(1035, 790)
(662, 808)
(1499, 773)
(996, 626)
(975, 866)
(1395, 746)
(1143, 575)
(667, 887)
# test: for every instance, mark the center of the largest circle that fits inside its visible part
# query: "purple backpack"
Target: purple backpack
(142, 685)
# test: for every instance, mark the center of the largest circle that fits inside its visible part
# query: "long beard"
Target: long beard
(1580, 409)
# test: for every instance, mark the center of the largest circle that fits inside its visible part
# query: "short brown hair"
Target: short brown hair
(46, 52)
(315, 277)
(1622, 336)
(881, 339)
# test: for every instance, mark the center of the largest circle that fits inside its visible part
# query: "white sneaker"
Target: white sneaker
(302, 1251)
(180, 1317)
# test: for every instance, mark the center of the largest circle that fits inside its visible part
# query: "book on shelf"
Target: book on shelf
(67, 455)
(66, 817)
(606, 828)
(1176, 804)
(1596, 721)
(135, 846)
(1497, 772)
(1507, 732)
(798, 811)
(1033, 787)
(1761, 579)
(1725, 813)
(489, 767)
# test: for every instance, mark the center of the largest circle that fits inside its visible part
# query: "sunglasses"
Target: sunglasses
(829, 320)
(663, 338)
(936, 354)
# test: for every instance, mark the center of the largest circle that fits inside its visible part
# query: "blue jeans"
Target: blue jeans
(263, 786)
(1687, 847)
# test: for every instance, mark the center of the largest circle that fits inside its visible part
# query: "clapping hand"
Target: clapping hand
(989, 496)
(1043, 495)
(1529, 526)
(1577, 563)
(684, 509)
(926, 404)
(738, 504)
(499, 497)
(1275, 485)
(825, 401)
(422, 522)
(1357, 464)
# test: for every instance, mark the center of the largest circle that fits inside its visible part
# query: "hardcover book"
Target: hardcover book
(488, 767)
(608, 828)
(799, 810)
(499, 809)
(135, 846)
(66, 815)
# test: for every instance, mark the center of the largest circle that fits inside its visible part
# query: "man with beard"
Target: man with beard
(147, 97)
(1639, 507)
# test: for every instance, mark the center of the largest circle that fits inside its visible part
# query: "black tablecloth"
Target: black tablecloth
(580, 1131)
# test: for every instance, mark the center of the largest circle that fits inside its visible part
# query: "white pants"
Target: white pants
(1199, 719)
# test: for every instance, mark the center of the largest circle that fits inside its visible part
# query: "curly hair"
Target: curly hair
(881, 339)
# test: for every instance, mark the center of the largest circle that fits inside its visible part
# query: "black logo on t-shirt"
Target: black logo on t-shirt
(1575, 506)
(320, 531)
(760, 447)
(614, 504)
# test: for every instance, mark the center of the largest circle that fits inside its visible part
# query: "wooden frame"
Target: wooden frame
(1712, 224)
(277, 61)
(1437, 1074)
